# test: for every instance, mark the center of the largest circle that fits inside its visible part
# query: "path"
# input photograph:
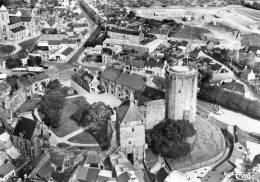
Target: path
(55, 140)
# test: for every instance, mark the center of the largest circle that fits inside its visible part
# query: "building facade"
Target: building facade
(131, 131)
(181, 93)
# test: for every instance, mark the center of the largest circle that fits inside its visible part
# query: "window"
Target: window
(133, 129)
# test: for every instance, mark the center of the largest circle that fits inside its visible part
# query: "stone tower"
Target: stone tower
(181, 93)
(131, 131)
(4, 21)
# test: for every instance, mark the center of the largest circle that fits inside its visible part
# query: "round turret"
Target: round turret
(181, 93)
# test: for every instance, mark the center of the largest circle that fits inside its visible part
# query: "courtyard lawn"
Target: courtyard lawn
(27, 45)
(67, 125)
(84, 138)
(6, 49)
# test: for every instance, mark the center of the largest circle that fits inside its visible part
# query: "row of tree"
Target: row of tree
(15, 62)
(230, 100)
(168, 138)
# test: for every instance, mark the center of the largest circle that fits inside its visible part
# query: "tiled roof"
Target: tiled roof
(81, 25)
(6, 168)
(3, 158)
(25, 128)
(124, 31)
(161, 175)
(4, 86)
(25, 18)
(38, 77)
(133, 81)
(154, 63)
(108, 51)
(17, 19)
(67, 51)
(53, 42)
(18, 29)
(128, 112)
(46, 169)
(133, 27)
(111, 74)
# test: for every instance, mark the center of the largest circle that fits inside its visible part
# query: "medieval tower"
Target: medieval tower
(131, 131)
(181, 93)
(4, 21)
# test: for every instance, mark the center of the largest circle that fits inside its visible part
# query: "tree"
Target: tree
(51, 106)
(13, 63)
(12, 81)
(168, 138)
(54, 84)
(34, 61)
(3, 2)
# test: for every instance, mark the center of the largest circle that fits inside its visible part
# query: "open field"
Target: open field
(84, 137)
(67, 125)
(164, 3)
(201, 15)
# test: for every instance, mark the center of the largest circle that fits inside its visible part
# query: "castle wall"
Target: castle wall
(154, 113)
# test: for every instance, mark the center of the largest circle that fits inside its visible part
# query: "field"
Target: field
(188, 32)
(84, 137)
(27, 45)
(67, 124)
(164, 3)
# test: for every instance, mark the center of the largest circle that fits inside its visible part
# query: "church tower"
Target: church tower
(4, 21)
(181, 93)
(131, 131)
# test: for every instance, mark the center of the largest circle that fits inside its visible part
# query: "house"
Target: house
(33, 84)
(80, 28)
(87, 174)
(7, 171)
(133, 37)
(30, 136)
(62, 54)
(155, 67)
(86, 80)
(44, 168)
(119, 83)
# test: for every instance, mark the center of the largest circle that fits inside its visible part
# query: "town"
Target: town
(129, 91)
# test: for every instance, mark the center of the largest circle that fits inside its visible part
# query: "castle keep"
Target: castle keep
(181, 93)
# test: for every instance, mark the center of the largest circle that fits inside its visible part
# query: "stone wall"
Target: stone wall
(154, 113)
(181, 95)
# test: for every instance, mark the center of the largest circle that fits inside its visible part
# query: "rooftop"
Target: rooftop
(25, 128)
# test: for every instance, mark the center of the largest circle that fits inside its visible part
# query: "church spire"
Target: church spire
(131, 98)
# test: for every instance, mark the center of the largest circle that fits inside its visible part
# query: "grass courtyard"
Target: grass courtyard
(67, 125)
(6, 49)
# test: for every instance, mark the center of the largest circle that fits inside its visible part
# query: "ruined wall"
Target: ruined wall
(154, 113)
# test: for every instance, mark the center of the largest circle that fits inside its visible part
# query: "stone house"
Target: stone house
(121, 83)
(130, 126)
(30, 137)
(133, 37)
(33, 84)
(86, 80)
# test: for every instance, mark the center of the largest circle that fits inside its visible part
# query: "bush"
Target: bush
(13, 63)
(169, 138)
(231, 100)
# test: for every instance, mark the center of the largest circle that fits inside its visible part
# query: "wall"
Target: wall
(18, 98)
(154, 113)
